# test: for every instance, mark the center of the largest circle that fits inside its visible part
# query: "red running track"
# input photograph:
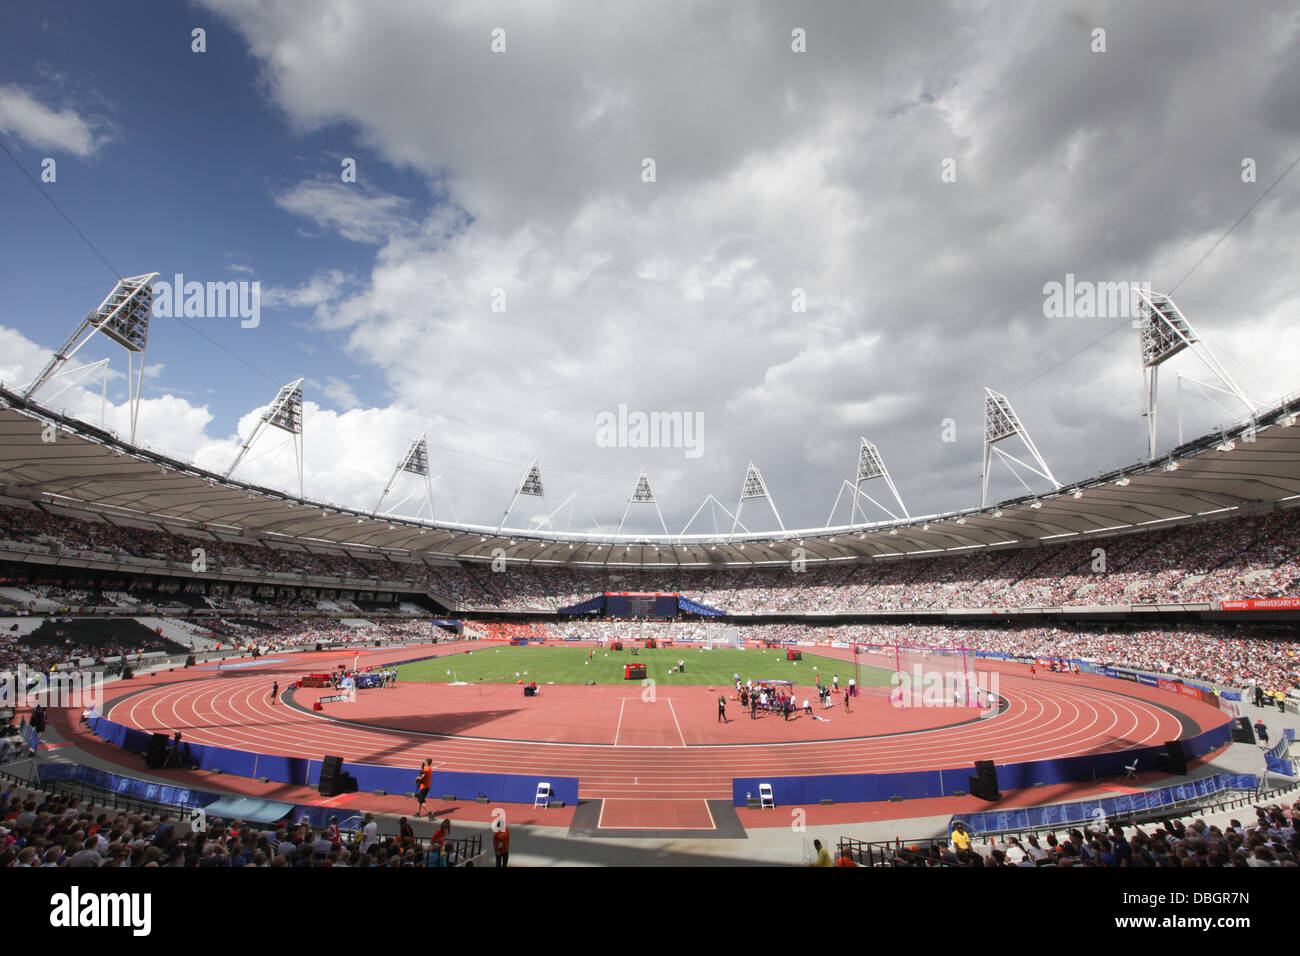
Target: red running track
(1045, 718)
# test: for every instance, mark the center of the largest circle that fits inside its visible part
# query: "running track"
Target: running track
(1044, 719)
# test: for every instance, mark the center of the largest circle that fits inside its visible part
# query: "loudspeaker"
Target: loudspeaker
(190, 660)
(1173, 760)
(331, 777)
(127, 673)
(985, 782)
(1243, 732)
(156, 756)
(318, 647)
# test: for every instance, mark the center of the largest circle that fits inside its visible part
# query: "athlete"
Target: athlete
(275, 692)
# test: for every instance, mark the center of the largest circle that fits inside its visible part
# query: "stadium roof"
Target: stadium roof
(1248, 465)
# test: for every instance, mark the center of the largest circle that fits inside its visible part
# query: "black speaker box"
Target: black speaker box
(331, 777)
(1173, 760)
(156, 756)
(1243, 732)
(985, 782)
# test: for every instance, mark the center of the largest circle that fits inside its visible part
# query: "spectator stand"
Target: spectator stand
(19, 763)
(119, 792)
(1194, 796)
(896, 852)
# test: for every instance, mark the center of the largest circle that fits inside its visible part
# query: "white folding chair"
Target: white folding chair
(1130, 770)
(543, 798)
(765, 798)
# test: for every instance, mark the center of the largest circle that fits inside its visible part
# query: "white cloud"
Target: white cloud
(321, 293)
(341, 393)
(776, 172)
(25, 117)
(360, 215)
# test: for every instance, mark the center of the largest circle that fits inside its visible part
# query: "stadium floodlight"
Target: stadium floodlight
(284, 413)
(415, 462)
(754, 487)
(1163, 332)
(1000, 423)
(642, 495)
(870, 466)
(75, 375)
(715, 507)
(530, 485)
(123, 316)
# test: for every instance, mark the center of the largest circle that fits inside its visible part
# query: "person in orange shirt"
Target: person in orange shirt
(439, 838)
(501, 845)
(422, 784)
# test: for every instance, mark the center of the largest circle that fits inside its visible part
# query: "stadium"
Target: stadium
(209, 662)
(1099, 636)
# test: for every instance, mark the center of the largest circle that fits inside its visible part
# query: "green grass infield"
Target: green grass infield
(503, 664)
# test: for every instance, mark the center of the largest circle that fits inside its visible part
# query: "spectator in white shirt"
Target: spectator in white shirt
(369, 833)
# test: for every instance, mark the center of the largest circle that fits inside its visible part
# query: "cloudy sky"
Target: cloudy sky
(798, 224)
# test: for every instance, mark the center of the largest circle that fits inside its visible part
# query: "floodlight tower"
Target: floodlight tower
(531, 485)
(870, 466)
(1164, 332)
(754, 488)
(285, 414)
(123, 316)
(416, 462)
(1002, 422)
(642, 495)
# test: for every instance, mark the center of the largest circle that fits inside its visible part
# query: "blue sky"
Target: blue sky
(816, 176)
(194, 153)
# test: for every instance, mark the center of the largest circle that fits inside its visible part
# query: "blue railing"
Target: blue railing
(1105, 810)
(126, 787)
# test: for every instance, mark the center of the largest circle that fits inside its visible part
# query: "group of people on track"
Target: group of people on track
(771, 698)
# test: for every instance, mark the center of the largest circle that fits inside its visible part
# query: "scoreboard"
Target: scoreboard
(640, 604)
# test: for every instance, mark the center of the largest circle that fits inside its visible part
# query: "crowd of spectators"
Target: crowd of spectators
(17, 649)
(86, 534)
(1269, 841)
(270, 636)
(1241, 557)
(53, 830)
